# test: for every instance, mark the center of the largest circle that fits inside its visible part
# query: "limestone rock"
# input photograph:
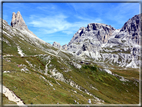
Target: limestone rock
(65, 47)
(17, 21)
(95, 31)
(132, 27)
(57, 45)
(90, 39)
(103, 42)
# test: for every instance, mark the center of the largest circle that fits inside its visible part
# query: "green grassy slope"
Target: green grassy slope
(32, 88)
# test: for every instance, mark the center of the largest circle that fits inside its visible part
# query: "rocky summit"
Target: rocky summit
(17, 21)
(100, 65)
(132, 27)
(102, 42)
(88, 40)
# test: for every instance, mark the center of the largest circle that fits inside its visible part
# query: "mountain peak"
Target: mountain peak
(17, 21)
(96, 26)
(132, 25)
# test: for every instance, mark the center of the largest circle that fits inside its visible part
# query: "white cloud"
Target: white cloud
(55, 23)
(90, 19)
(59, 22)
(50, 24)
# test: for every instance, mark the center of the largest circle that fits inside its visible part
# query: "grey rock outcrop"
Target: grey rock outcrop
(104, 43)
(18, 22)
(65, 47)
(96, 31)
(88, 40)
(86, 47)
(103, 31)
(126, 44)
(132, 27)
(57, 45)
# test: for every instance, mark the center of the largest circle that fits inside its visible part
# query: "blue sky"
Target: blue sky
(60, 21)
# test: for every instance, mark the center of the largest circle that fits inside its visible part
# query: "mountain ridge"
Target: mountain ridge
(91, 40)
(55, 76)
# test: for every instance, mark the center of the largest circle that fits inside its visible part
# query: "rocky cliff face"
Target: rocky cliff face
(96, 31)
(17, 21)
(132, 27)
(88, 40)
(104, 43)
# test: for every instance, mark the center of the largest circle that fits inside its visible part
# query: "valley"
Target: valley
(100, 63)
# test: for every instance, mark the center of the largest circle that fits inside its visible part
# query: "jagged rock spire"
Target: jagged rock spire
(17, 21)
